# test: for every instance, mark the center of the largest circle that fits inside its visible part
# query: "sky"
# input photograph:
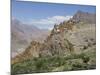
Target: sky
(45, 15)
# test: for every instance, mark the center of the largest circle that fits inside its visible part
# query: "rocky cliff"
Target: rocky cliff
(73, 36)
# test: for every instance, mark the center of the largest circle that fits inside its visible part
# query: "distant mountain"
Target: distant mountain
(81, 16)
(23, 34)
(72, 36)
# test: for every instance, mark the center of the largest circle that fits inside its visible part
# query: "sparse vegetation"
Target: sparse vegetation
(70, 46)
(56, 63)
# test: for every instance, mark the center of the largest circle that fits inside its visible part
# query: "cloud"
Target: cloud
(49, 22)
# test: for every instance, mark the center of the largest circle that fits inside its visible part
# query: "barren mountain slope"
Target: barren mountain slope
(23, 34)
(66, 38)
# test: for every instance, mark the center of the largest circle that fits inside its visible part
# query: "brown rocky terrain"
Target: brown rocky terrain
(23, 34)
(73, 36)
(87, 17)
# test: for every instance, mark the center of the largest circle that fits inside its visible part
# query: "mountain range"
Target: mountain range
(23, 34)
(72, 36)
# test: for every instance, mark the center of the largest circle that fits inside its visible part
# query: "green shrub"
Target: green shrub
(86, 59)
(48, 64)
